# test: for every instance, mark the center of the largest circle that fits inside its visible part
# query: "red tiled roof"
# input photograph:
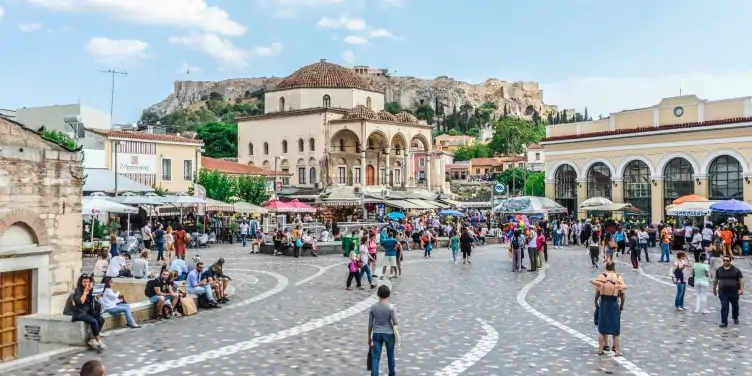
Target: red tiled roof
(648, 129)
(235, 168)
(145, 136)
(534, 146)
(323, 75)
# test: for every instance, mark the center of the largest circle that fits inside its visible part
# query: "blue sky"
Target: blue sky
(606, 55)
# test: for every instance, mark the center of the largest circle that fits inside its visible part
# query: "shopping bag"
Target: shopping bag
(596, 314)
(189, 306)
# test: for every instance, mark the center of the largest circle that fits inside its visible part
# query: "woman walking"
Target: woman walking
(515, 250)
(372, 255)
(680, 270)
(609, 302)
(609, 246)
(427, 243)
(595, 249)
(700, 273)
(454, 245)
(634, 249)
(382, 331)
(466, 244)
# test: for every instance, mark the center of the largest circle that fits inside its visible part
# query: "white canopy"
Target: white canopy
(182, 200)
(248, 208)
(97, 205)
(596, 201)
(131, 199)
(690, 209)
(607, 207)
(529, 205)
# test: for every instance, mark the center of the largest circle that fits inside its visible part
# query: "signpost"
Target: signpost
(498, 189)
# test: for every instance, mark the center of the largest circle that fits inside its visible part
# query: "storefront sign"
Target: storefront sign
(136, 163)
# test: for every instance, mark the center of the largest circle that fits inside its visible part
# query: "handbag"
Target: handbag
(691, 281)
(369, 359)
(298, 243)
(189, 306)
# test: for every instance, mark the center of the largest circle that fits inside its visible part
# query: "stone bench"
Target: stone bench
(133, 289)
(41, 333)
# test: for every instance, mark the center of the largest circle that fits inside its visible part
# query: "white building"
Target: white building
(536, 158)
(52, 117)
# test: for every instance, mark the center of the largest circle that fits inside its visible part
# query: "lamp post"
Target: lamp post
(116, 144)
(195, 164)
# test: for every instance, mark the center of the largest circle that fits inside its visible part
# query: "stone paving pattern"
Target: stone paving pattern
(437, 304)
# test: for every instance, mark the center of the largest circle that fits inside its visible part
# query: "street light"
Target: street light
(276, 173)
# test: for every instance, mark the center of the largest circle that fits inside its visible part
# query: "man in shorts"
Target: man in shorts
(390, 254)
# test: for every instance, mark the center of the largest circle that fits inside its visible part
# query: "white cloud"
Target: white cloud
(348, 56)
(344, 22)
(116, 50)
(30, 27)
(354, 39)
(194, 14)
(186, 68)
(604, 95)
(381, 33)
(290, 8)
(2, 12)
(224, 50)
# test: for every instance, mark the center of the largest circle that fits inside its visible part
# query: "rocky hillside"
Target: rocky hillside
(519, 97)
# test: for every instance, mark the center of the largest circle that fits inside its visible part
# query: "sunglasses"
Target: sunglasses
(726, 260)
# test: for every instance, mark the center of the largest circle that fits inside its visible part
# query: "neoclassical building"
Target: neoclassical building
(650, 156)
(327, 126)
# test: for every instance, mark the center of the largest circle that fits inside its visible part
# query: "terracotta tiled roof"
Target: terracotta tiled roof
(145, 136)
(360, 112)
(405, 117)
(534, 146)
(235, 168)
(386, 115)
(324, 75)
(648, 129)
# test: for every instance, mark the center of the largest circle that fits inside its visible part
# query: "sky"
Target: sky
(607, 56)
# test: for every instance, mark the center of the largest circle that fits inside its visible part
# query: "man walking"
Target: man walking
(728, 287)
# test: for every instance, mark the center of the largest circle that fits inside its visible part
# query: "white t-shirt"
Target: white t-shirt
(687, 231)
(533, 243)
(363, 253)
(117, 263)
(707, 234)
(324, 236)
(244, 228)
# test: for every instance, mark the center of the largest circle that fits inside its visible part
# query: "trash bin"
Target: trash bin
(346, 245)
(746, 247)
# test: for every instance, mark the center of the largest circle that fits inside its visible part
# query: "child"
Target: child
(454, 245)
(354, 273)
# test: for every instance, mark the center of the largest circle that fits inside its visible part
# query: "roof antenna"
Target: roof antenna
(680, 91)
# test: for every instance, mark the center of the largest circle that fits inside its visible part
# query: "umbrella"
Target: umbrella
(244, 207)
(452, 212)
(136, 200)
(96, 205)
(529, 205)
(732, 206)
(689, 198)
(182, 200)
(396, 215)
(596, 201)
(299, 207)
(690, 208)
(276, 206)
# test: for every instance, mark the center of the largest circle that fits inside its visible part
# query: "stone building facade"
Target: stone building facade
(40, 227)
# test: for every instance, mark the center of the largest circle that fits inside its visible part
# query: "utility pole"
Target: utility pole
(113, 72)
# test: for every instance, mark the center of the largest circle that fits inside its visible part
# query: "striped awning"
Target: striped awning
(403, 204)
(423, 204)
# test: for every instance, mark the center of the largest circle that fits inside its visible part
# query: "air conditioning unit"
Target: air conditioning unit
(318, 185)
(357, 190)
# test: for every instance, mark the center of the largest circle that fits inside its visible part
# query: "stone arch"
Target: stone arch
(661, 168)
(530, 111)
(266, 164)
(377, 139)
(345, 141)
(281, 104)
(368, 103)
(29, 219)
(710, 157)
(423, 139)
(301, 162)
(313, 162)
(399, 141)
(591, 162)
(551, 175)
(628, 160)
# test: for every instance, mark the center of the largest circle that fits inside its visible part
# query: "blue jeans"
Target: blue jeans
(124, 309)
(114, 250)
(557, 239)
(680, 289)
(160, 251)
(726, 300)
(198, 290)
(182, 277)
(243, 237)
(665, 252)
(378, 340)
(367, 271)
(454, 253)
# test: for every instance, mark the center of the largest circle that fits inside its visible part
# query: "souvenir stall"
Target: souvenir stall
(690, 210)
(736, 210)
(100, 220)
(529, 205)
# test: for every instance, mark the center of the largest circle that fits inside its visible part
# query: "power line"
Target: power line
(113, 72)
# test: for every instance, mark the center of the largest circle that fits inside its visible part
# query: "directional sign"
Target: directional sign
(500, 188)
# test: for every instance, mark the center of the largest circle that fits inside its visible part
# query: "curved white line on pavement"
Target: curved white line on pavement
(322, 271)
(521, 300)
(282, 283)
(203, 356)
(481, 349)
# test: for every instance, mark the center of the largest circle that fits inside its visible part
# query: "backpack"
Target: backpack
(678, 275)
(149, 289)
(203, 302)
(68, 310)
(516, 242)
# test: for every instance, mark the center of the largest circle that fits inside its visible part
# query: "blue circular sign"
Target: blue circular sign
(500, 188)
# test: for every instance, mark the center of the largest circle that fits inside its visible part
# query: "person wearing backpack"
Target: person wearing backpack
(515, 248)
(297, 243)
(680, 270)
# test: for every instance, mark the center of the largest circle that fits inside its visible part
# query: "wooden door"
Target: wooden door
(370, 175)
(15, 300)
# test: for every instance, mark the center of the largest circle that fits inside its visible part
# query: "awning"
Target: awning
(690, 208)
(425, 205)
(214, 205)
(402, 204)
(103, 180)
(607, 207)
(467, 204)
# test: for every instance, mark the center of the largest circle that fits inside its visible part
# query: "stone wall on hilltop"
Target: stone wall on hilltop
(520, 97)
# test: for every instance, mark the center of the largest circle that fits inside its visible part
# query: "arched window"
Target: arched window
(284, 146)
(637, 186)
(566, 188)
(266, 148)
(281, 103)
(301, 145)
(327, 101)
(341, 144)
(725, 175)
(250, 148)
(678, 180)
(368, 103)
(599, 181)
(312, 177)
(312, 144)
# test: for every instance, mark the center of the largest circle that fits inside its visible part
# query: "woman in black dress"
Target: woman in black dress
(466, 244)
(609, 301)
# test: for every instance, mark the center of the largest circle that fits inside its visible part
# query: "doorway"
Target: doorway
(370, 175)
(15, 301)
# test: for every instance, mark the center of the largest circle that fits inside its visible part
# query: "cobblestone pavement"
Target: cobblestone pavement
(294, 317)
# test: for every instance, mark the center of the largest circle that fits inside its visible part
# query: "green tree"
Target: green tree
(220, 139)
(393, 107)
(149, 117)
(218, 185)
(253, 189)
(474, 132)
(470, 151)
(424, 112)
(452, 132)
(511, 134)
(60, 138)
(513, 178)
(535, 183)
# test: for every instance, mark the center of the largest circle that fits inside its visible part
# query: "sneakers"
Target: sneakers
(101, 345)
